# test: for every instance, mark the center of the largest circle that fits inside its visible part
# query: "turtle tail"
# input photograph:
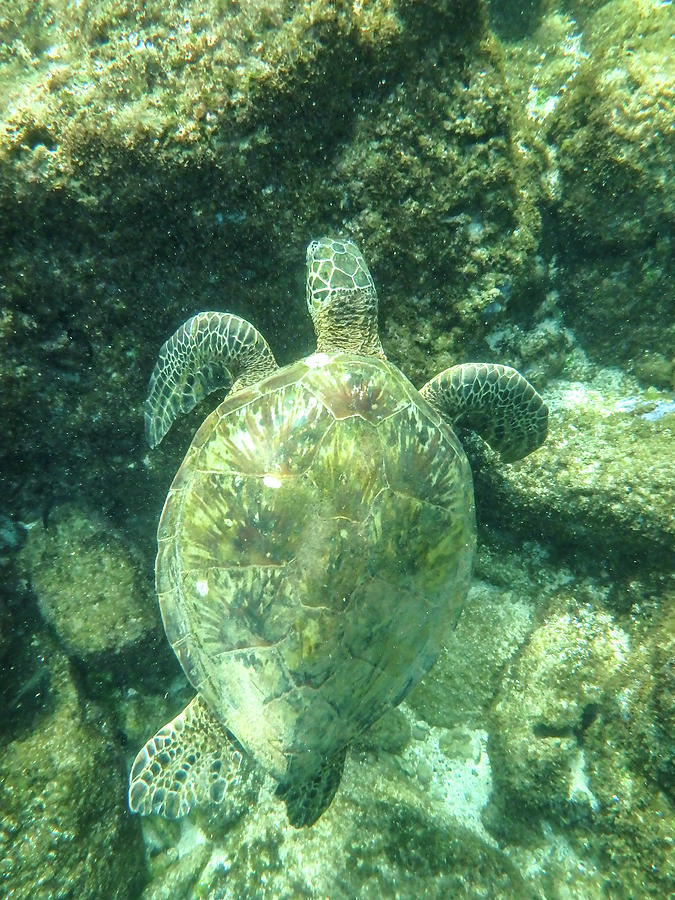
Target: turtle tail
(307, 798)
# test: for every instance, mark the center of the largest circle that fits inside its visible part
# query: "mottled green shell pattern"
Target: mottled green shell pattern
(314, 548)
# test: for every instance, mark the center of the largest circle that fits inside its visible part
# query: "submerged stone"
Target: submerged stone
(92, 586)
(64, 829)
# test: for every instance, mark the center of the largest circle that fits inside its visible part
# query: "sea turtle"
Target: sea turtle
(316, 543)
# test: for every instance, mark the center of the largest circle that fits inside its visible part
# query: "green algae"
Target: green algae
(175, 78)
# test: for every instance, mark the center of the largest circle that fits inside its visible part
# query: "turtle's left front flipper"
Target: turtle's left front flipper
(494, 401)
(189, 762)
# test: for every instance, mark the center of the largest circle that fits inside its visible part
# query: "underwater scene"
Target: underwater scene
(337, 389)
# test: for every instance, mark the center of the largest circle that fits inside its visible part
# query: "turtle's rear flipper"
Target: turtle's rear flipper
(307, 799)
(494, 401)
(189, 762)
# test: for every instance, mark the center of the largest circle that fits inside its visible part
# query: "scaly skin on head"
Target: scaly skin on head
(341, 298)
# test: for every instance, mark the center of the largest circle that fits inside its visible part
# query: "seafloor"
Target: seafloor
(507, 169)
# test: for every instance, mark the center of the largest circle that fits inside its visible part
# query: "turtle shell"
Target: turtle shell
(314, 549)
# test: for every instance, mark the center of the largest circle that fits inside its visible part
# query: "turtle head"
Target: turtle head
(341, 298)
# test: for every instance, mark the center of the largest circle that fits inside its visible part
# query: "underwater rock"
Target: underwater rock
(644, 718)
(552, 692)
(12, 535)
(579, 738)
(629, 321)
(615, 208)
(460, 687)
(92, 586)
(400, 826)
(25, 676)
(608, 491)
(180, 874)
(611, 127)
(592, 87)
(64, 829)
(391, 733)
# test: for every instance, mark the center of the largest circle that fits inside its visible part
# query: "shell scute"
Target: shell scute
(242, 521)
(278, 433)
(368, 388)
(239, 608)
(347, 470)
(423, 459)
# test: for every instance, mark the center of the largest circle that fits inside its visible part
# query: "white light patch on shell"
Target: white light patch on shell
(316, 360)
(202, 588)
(271, 481)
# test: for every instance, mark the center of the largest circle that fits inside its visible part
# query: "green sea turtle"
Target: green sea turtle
(316, 543)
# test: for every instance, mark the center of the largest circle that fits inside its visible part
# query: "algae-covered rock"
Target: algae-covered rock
(90, 87)
(64, 828)
(552, 692)
(451, 239)
(92, 586)
(403, 825)
(644, 717)
(602, 480)
(592, 85)
(596, 84)
(612, 125)
(575, 735)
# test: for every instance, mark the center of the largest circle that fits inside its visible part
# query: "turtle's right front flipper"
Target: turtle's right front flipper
(209, 351)
(191, 761)
(494, 401)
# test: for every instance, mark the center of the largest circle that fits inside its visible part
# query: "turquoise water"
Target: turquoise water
(505, 170)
